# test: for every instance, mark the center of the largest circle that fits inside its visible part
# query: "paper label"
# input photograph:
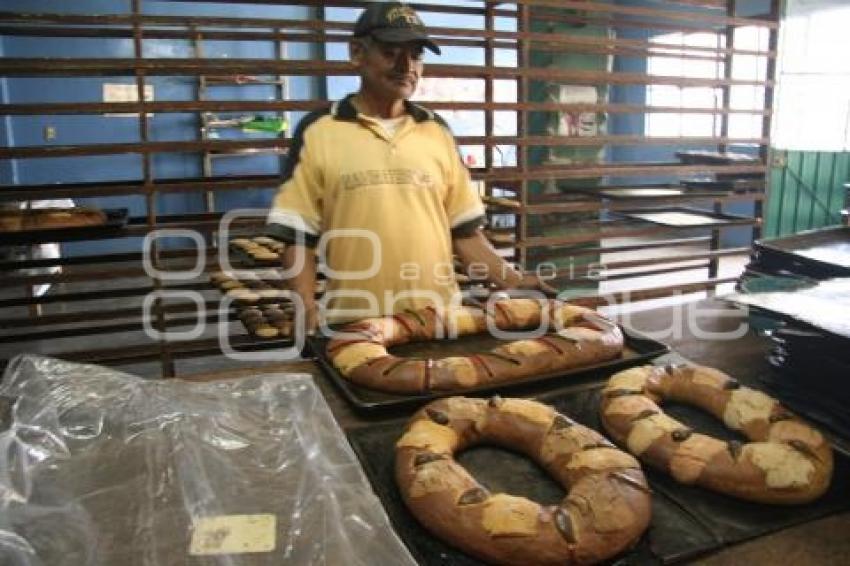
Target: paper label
(233, 534)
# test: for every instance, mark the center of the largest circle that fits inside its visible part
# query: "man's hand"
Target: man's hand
(303, 284)
(475, 248)
(311, 319)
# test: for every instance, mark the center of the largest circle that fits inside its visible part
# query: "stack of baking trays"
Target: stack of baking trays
(814, 255)
(798, 289)
(558, 447)
(258, 251)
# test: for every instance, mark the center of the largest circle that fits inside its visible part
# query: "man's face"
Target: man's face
(389, 70)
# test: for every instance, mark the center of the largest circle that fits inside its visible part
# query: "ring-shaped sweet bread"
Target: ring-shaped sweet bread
(606, 509)
(577, 337)
(786, 461)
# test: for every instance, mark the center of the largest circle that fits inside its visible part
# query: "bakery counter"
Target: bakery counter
(707, 332)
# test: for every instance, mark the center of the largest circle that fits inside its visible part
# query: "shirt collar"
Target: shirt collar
(344, 110)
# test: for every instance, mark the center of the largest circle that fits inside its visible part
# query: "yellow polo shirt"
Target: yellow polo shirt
(382, 208)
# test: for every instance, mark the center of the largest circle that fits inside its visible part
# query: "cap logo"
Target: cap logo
(405, 13)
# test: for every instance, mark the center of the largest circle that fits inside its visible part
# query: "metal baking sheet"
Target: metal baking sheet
(116, 221)
(821, 305)
(729, 519)
(728, 185)
(639, 349)
(653, 192)
(715, 157)
(686, 521)
(816, 253)
(374, 445)
(683, 217)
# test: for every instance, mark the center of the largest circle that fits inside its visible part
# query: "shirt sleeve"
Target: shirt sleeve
(296, 212)
(463, 204)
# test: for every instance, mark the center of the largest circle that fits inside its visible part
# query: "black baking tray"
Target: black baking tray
(728, 185)
(682, 538)
(729, 519)
(700, 157)
(686, 522)
(710, 219)
(633, 192)
(820, 254)
(116, 222)
(638, 349)
(824, 394)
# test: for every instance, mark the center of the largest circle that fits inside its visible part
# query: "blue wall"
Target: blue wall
(7, 167)
(90, 129)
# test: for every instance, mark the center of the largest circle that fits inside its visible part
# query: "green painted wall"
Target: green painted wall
(806, 191)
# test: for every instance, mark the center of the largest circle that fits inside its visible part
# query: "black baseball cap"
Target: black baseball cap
(393, 22)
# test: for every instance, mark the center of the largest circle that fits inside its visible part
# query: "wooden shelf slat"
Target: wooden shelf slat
(630, 230)
(185, 106)
(594, 205)
(100, 294)
(657, 13)
(275, 146)
(542, 173)
(646, 294)
(190, 184)
(602, 266)
(618, 248)
(60, 66)
(109, 327)
(310, 32)
(97, 315)
(46, 151)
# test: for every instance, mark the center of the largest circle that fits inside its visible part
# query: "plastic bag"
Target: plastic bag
(100, 467)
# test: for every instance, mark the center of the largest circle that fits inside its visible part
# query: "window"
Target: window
(813, 97)
(703, 63)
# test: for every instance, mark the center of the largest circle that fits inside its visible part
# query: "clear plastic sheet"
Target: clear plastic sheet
(100, 467)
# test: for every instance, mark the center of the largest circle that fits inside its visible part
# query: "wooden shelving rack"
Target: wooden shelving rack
(113, 271)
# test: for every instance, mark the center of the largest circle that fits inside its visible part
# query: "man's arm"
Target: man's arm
(466, 214)
(303, 283)
(296, 212)
(474, 248)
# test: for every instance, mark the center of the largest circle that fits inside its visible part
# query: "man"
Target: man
(382, 179)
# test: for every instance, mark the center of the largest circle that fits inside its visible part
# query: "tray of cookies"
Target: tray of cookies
(268, 321)
(248, 288)
(261, 299)
(258, 251)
